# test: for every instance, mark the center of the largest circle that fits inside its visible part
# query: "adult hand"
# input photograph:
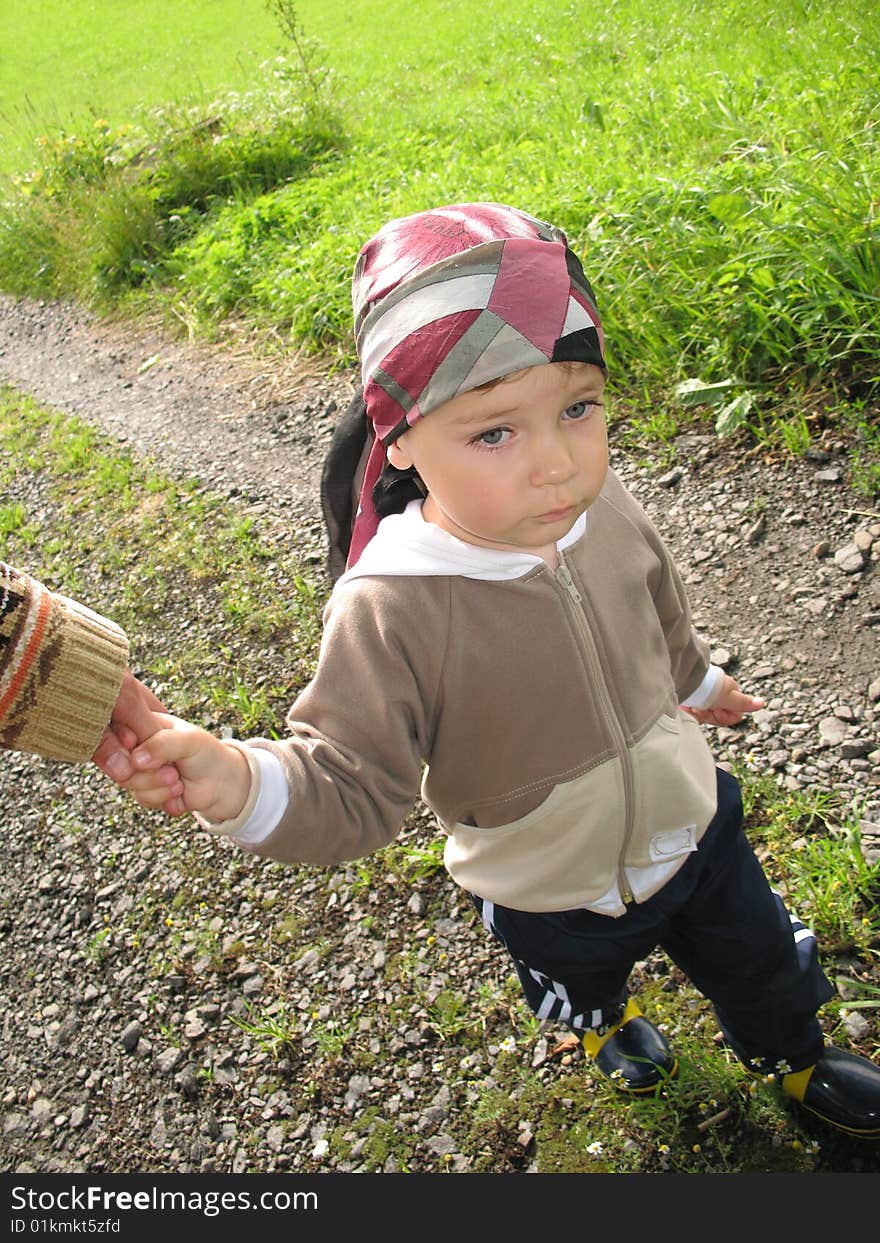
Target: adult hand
(134, 719)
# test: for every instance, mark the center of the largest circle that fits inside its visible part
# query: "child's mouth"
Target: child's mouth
(556, 515)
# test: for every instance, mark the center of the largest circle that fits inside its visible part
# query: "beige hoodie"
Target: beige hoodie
(538, 714)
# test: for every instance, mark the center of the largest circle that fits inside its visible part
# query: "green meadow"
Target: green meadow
(715, 165)
(66, 63)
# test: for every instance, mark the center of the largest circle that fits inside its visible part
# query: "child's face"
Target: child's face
(513, 466)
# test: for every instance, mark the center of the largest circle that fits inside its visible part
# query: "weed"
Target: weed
(450, 1015)
(277, 1032)
(98, 946)
(415, 861)
(838, 893)
(330, 1037)
(863, 429)
(253, 708)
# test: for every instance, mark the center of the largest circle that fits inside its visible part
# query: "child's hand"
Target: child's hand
(213, 779)
(730, 706)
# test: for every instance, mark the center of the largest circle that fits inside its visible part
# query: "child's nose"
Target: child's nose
(552, 462)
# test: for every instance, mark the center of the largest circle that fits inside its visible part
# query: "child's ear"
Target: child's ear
(397, 454)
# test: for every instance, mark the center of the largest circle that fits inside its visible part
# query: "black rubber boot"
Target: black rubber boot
(633, 1054)
(842, 1089)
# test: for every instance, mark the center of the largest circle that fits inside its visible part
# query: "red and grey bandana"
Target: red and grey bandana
(449, 299)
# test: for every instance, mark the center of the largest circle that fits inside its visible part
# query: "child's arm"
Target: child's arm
(214, 779)
(728, 707)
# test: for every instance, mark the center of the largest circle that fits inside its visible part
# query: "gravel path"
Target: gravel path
(134, 958)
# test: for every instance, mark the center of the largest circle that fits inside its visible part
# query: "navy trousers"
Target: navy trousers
(717, 919)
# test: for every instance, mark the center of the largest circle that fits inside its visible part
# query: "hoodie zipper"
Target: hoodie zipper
(562, 574)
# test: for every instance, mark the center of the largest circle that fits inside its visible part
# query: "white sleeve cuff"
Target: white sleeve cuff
(706, 692)
(265, 803)
(271, 802)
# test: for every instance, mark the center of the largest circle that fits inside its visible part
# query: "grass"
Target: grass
(65, 63)
(721, 188)
(152, 549)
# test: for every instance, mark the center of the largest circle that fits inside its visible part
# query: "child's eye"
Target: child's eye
(493, 437)
(578, 410)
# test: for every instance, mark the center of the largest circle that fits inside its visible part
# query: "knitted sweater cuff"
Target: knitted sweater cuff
(62, 677)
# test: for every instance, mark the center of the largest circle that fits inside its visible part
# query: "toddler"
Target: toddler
(508, 636)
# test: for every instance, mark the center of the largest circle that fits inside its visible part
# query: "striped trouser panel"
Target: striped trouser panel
(548, 998)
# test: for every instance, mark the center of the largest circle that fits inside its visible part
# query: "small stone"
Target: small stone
(832, 731)
(169, 1060)
(756, 530)
(245, 970)
(856, 1025)
(849, 559)
(863, 540)
(671, 478)
(194, 1028)
(832, 475)
(78, 1117)
(856, 749)
(131, 1036)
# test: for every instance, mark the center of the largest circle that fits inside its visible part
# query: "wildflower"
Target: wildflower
(594, 1149)
(663, 1148)
(697, 1148)
(507, 1045)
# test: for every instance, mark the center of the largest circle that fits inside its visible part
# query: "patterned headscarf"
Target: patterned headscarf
(449, 299)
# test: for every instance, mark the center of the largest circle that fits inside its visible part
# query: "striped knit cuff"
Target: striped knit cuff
(62, 676)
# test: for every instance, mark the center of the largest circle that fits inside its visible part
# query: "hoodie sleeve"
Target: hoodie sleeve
(359, 731)
(688, 652)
